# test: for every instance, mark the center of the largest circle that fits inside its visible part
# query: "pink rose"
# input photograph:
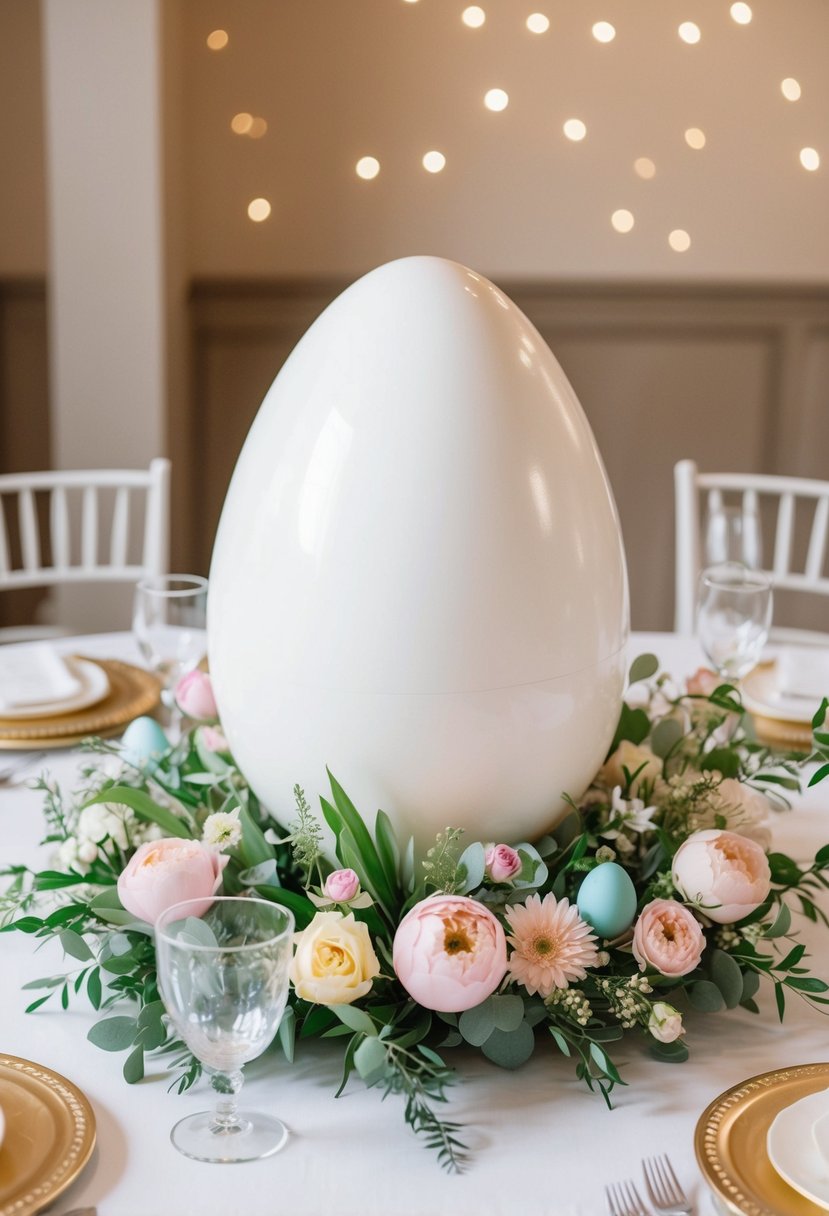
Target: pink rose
(168, 871)
(502, 863)
(703, 682)
(194, 694)
(342, 886)
(668, 937)
(214, 739)
(723, 874)
(450, 953)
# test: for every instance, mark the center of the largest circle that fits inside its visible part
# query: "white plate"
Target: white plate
(793, 1142)
(762, 696)
(94, 687)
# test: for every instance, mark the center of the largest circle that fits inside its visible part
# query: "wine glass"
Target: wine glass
(732, 534)
(734, 607)
(169, 623)
(223, 977)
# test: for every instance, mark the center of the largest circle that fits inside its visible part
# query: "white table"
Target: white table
(543, 1145)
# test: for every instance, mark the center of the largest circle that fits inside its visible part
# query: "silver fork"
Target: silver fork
(666, 1195)
(623, 1200)
(10, 771)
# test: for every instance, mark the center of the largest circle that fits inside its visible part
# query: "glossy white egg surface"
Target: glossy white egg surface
(418, 577)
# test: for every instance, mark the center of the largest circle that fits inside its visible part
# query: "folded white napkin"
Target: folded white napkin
(34, 675)
(803, 671)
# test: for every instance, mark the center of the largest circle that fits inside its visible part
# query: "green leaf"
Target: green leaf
(134, 1066)
(706, 997)
(783, 870)
(55, 880)
(355, 1019)
(820, 714)
(634, 724)
(287, 1034)
(818, 776)
(53, 981)
(669, 1053)
(478, 1023)
(114, 1034)
(144, 807)
(366, 849)
(822, 857)
(388, 849)
(473, 861)
(507, 1011)
(265, 873)
(301, 907)
(561, 1042)
(751, 982)
(782, 923)
(666, 734)
(93, 987)
(370, 1059)
(510, 1049)
(74, 945)
(26, 924)
(780, 998)
(121, 964)
(253, 847)
(721, 760)
(36, 1004)
(806, 983)
(642, 668)
(728, 977)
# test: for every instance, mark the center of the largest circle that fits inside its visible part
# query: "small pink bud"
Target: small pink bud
(502, 863)
(342, 886)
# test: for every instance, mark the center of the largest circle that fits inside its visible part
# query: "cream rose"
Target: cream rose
(630, 756)
(334, 962)
(725, 875)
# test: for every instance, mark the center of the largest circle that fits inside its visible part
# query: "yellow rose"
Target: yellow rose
(334, 962)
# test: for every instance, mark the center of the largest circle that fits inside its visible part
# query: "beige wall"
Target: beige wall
(22, 186)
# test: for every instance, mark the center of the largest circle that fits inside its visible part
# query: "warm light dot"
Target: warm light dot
(367, 167)
(259, 209)
(574, 129)
(603, 31)
(790, 88)
(622, 220)
(679, 240)
(741, 13)
(810, 159)
(258, 127)
(644, 167)
(241, 123)
(496, 99)
(695, 138)
(433, 162)
(689, 32)
(474, 16)
(537, 23)
(218, 40)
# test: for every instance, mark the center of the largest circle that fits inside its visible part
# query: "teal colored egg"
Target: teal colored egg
(143, 741)
(607, 900)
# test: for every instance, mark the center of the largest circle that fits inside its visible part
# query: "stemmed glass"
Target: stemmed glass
(169, 623)
(732, 534)
(734, 607)
(223, 977)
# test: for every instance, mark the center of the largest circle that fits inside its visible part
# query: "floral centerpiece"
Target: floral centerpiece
(656, 895)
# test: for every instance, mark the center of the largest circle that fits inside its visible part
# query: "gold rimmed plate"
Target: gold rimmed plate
(50, 1135)
(730, 1143)
(132, 692)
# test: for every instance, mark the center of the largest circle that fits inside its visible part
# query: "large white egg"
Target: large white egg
(418, 577)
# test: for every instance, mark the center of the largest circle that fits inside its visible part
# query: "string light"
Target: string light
(679, 240)
(433, 162)
(695, 138)
(741, 13)
(790, 88)
(257, 128)
(538, 23)
(689, 32)
(367, 167)
(574, 129)
(241, 124)
(644, 167)
(810, 159)
(496, 99)
(218, 40)
(603, 31)
(474, 16)
(622, 220)
(259, 209)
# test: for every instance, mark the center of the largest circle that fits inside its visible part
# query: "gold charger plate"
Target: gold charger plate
(50, 1135)
(730, 1142)
(132, 692)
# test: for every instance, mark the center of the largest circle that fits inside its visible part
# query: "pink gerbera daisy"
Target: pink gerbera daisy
(551, 944)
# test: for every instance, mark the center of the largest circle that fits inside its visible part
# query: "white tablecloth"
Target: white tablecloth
(542, 1144)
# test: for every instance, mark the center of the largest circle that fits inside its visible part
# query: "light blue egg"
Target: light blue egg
(143, 741)
(607, 900)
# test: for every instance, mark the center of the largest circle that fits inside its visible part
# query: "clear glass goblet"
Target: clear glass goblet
(223, 976)
(734, 607)
(170, 626)
(732, 534)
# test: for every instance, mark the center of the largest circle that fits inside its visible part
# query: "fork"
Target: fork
(665, 1193)
(623, 1200)
(10, 771)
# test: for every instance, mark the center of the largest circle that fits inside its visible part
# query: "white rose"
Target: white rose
(665, 1022)
(334, 963)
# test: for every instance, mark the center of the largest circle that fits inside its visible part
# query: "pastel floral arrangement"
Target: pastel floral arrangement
(656, 896)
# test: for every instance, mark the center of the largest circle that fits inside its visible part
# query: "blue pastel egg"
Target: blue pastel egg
(607, 900)
(143, 741)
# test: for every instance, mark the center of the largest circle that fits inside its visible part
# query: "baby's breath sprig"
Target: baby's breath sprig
(441, 861)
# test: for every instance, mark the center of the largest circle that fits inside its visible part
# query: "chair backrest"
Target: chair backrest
(690, 486)
(98, 558)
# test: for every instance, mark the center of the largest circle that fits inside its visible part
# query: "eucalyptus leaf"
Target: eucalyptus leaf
(706, 997)
(263, 873)
(134, 1066)
(114, 1034)
(478, 1023)
(751, 982)
(473, 861)
(510, 1049)
(287, 1033)
(782, 923)
(74, 945)
(666, 734)
(726, 974)
(669, 1053)
(642, 668)
(507, 1011)
(355, 1019)
(370, 1059)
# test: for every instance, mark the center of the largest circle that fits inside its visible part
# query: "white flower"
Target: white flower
(68, 854)
(106, 821)
(665, 1022)
(632, 814)
(87, 851)
(222, 830)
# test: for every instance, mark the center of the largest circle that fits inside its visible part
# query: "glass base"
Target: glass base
(254, 1136)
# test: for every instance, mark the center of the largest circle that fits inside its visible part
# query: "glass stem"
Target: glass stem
(226, 1119)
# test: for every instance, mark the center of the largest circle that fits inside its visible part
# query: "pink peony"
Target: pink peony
(703, 682)
(723, 874)
(502, 863)
(194, 694)
(668, 937)
(342, 886)
(168, 871)
(450, 953)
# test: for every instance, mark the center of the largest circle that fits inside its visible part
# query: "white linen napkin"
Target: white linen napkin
(34, 675)
(803, 671)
